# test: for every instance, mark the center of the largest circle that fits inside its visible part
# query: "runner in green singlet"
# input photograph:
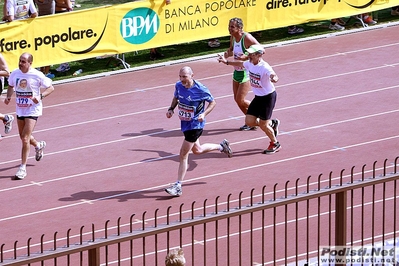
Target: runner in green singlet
(239, 42)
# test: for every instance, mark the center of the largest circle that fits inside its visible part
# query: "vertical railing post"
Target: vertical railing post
(340, 220)
(94, 257)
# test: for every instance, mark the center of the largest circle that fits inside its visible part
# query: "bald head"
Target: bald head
(25, 61)
(187, 70)
(186, 76)
(28, 57)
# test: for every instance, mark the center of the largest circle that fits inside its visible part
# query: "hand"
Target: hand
(201, 117)
(222, 59)
(169, 113)
(36, 99)
(7, 100)
(273, 78)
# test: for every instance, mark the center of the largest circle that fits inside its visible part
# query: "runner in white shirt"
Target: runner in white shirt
(27, 82)
(262, 78)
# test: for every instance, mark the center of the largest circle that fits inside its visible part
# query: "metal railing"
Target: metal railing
(276, 226)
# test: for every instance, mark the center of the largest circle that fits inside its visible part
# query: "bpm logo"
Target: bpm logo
(139, 25)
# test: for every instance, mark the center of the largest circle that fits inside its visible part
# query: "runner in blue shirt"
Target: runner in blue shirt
(190, 97)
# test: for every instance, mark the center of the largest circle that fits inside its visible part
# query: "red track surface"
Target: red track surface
(111, 151)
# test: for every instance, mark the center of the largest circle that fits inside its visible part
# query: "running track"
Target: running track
(111, 151)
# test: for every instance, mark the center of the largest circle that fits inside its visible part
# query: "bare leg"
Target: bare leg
(184, 152)
(240, 91)
(265, 125)
(196, 148)
(25, 128)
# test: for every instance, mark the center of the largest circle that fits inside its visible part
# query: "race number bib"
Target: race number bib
(24, 98)
(186, 112)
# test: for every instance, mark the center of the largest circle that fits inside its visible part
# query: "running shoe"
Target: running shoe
(226, 148)
(275, 124)
(336, 26)
(21, 173)
(369, 20)
(273, 148)
(8, 123)
(295, 30)
(174, 190)
(214, 43)
(63, 67)
(39, 151)
(247, 128)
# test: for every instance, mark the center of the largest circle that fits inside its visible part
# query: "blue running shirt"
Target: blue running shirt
(191, 104)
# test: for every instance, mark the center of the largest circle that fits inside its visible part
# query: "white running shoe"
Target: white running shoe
(8, 124)
(39, 151)
(174, 190)
(226, 148)
(21, 174)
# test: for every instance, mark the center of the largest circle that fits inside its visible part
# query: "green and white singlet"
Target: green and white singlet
(240, 74)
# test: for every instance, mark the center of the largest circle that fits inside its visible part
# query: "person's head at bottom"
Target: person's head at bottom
(175, 258)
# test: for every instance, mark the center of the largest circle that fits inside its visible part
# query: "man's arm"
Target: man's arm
(223, 60)
(10, 91)
(8, 11)
(32, 9)
(4, 71)
(44, 94)
(47, 92)
(172, 107)
(210, 107)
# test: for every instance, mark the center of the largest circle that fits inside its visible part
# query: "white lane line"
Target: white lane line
(187, 181)
(176, 129)
(217, 77)
(174, 155)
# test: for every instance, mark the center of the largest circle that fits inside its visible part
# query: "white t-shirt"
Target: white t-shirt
(26, 86)
(259, 77)
(20, 8)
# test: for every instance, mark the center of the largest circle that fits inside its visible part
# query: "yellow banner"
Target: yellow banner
(142, 25)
